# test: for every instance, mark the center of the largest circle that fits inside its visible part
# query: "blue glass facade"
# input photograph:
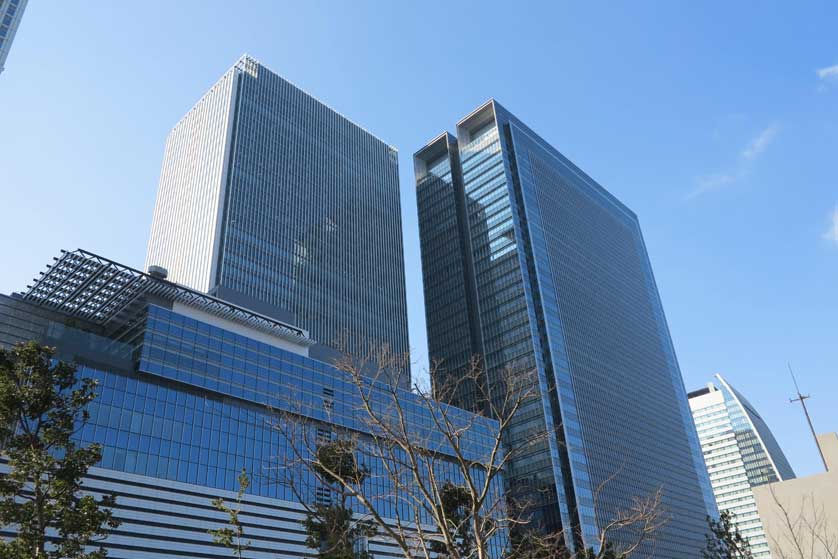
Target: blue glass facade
(312, 220)
(563, 285)
(192, 402)
(268, 194)
(765, 461)
(448, 301)
(199, 408)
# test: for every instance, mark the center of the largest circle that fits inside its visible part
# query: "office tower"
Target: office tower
(269, 197)
(812, 504)
(528, 262)
(740, 453)
(190, 388)
(11, 11)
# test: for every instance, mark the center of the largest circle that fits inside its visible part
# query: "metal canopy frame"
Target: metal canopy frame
(85, 285)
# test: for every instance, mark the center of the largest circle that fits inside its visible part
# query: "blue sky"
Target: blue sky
(716, 122)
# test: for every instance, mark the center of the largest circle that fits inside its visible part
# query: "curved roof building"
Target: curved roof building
(740, 452)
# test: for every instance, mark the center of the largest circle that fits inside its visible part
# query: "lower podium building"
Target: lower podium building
(190, 390)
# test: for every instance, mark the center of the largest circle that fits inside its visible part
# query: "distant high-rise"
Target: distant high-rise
(528, 262)
(11, 11)
(269, 197)
(741, 454)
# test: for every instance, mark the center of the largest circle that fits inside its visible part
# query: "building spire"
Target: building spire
(802, 399)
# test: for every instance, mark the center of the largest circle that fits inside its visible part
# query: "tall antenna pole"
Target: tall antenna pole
(802, 399)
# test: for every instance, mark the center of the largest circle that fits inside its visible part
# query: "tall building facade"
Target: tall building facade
(270, 197)
(11, 12)
(741, 453)
(190, 389)
(528, 262)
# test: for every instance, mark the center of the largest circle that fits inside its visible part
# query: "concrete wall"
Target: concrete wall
(800, 515)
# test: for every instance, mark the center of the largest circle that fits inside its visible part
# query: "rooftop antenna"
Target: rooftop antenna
(802, 399)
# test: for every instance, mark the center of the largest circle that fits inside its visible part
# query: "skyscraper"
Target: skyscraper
(741, 453)
(269, 197)
(11, 12)
(528, 262)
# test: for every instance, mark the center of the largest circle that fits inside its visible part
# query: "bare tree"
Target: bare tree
(639, 523)
(803, 532)
(433, 484)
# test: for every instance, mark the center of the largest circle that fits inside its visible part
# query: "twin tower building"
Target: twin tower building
(269, 197)
(277, 212)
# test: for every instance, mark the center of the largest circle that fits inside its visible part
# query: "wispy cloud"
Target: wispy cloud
(709, 184)
(828, 73)
(758, 144)
(831, 234)
(749, 154)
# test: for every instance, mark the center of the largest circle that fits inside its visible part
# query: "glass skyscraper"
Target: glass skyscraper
(11, 12)
(269, 197)
(528, 262)
(741, 453)
(190, 388)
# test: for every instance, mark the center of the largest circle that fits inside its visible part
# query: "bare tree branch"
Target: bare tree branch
(435, 473)
(805, 532)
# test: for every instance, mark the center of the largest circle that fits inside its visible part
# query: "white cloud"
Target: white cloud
(831, 234)
(758, 144)
(747, 156)
(709, 184)
(828, 73)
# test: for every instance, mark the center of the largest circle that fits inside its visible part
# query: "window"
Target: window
(328, 399)
(323, 435)
(361, 547)
(323, 496)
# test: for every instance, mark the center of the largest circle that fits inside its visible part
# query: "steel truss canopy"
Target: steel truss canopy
(83, 284)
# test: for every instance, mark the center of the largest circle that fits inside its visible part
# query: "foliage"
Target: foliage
(331, 528)
(41, 404)
(232, 535)
(724, 540)
(455, 500)
(336, 460)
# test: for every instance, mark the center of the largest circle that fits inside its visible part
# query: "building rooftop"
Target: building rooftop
(88, 286)
(701, 391)
(250, 65)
